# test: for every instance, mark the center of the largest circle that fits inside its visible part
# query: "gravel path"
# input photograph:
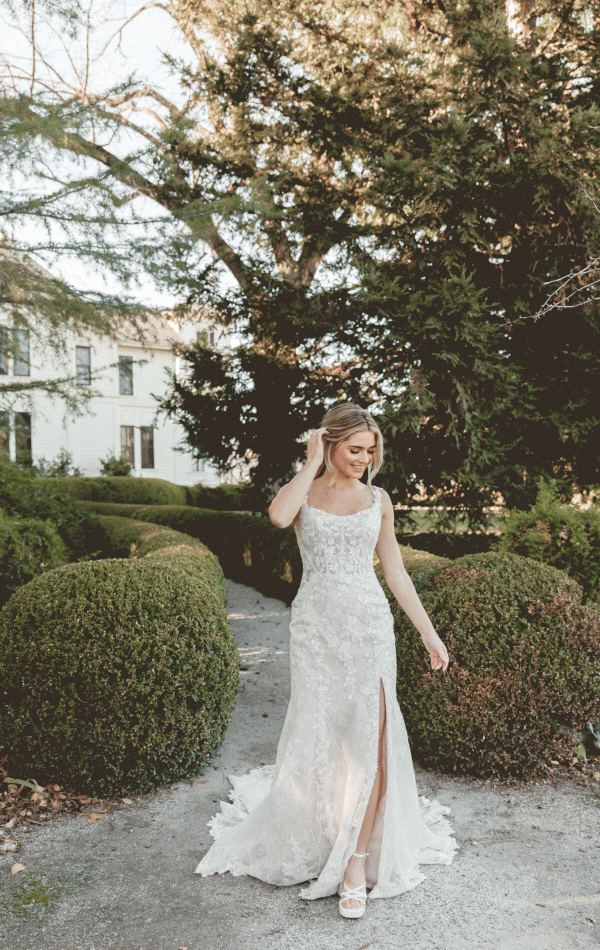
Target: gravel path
(527, 876)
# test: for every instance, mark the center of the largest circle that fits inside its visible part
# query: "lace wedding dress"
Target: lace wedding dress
(299, 820)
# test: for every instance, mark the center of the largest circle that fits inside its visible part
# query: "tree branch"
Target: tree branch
(204, 230)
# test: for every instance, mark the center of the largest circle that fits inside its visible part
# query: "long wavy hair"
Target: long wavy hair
(342, 421)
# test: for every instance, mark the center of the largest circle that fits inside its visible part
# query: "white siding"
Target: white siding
(96, 433)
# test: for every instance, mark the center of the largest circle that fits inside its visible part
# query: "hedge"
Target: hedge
(24, 496)
(121, 489)
(524, 678)
(221, 498)
(28, 546)
(119, 675)
(565, 536)
(250, 549)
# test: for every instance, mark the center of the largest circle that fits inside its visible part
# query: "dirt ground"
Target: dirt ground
(527, 876)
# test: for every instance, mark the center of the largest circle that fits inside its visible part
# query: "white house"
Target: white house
(124, 374)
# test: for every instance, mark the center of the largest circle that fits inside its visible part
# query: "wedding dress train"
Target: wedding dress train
(299, 819)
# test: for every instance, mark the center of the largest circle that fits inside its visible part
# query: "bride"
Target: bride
(340, 806)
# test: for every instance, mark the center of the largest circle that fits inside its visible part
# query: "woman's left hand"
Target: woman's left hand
(437, 651)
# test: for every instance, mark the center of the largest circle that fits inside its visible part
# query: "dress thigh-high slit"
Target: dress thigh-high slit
(343, 739)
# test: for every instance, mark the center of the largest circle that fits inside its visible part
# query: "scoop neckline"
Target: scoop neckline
(333, 514)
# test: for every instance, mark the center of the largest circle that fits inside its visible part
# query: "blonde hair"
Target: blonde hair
(342, 421)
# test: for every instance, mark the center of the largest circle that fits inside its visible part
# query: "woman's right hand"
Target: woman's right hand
(315, 447)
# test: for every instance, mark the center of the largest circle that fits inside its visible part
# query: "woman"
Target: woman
(340, 808)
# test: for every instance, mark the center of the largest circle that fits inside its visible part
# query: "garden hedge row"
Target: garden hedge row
(250, 549)
(118, 488)
(28, 547)
(524, 677)
(150, 491)
(24, 496)
(119, 674)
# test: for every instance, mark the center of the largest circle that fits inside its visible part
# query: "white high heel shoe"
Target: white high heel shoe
(354, 893)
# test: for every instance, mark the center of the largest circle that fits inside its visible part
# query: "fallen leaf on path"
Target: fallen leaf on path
(127, 801)
(369, 944)
(96, 817)
(193, 782)
(17, 868)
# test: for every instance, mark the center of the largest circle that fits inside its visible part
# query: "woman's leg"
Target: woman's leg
(355, 872)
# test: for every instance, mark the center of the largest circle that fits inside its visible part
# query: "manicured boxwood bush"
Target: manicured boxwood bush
(249, 548)
(138, 539)
(135, 491)
(221, 497)
(28, 546)
(117, 674)
(23, 495)
(565, 536)
(525, 667)
(449, 545)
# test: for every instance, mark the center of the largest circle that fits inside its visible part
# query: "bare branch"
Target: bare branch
(147, 6)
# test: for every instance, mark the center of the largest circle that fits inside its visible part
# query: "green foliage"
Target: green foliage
(118, 674)
(112, 465)
(524, 677)
(27, 548)
(60, 467)
(138, 539)
(113, 488)
(563, 535)
(249, 548)
(222, 497)
(25, 496)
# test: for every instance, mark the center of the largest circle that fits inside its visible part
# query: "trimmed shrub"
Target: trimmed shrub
(222, 497)
(524, 677)
(112, 465)
(118, 674)
(449, 545)
(115, 488)
(249, 548)
(565, 536)
(25, 496)
(27, 548)
(138, 539)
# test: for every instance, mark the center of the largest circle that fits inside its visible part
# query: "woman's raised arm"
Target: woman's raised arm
(286, 504)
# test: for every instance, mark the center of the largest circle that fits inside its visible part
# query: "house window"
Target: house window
(206, 337)
(127, 445)
(147, 437)
(3, 352)
(21, 360)
(4, 435)
(23, 437)
(198, 465)
(83, 366)
(126, 375)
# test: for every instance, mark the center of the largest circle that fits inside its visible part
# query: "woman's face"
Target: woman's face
(352, 456)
